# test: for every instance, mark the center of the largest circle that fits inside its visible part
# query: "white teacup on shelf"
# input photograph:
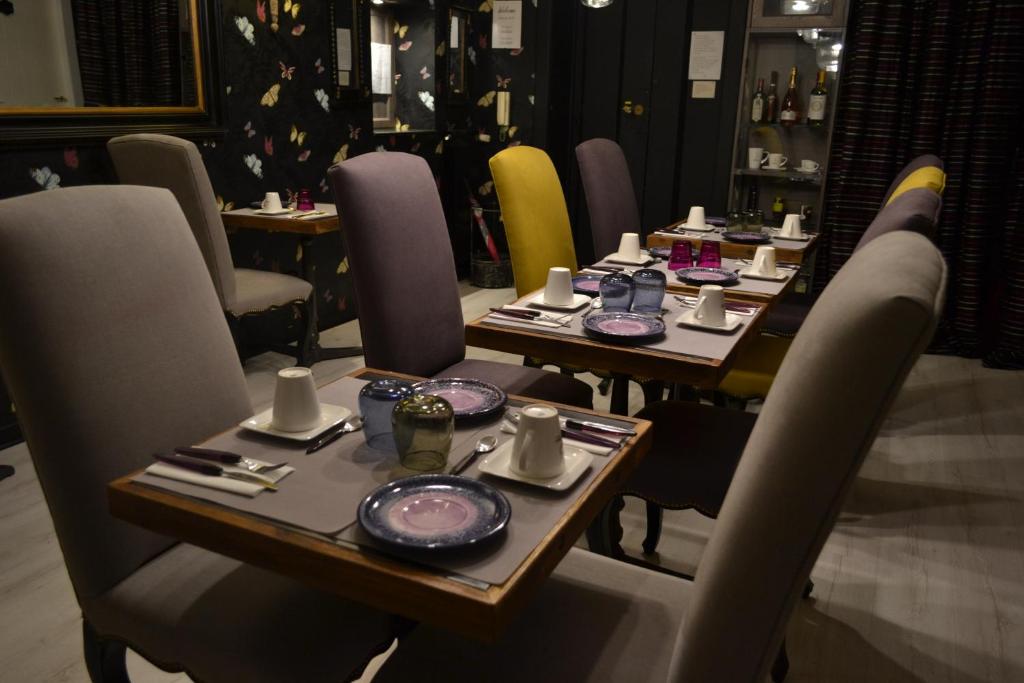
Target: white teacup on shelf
(756, 158)
(809, 165)
(776, 161)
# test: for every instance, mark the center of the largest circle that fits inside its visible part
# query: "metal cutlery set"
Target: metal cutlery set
(217, 463)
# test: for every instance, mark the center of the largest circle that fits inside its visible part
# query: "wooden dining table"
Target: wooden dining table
(306, 226)
(786, 250)
(417, 588)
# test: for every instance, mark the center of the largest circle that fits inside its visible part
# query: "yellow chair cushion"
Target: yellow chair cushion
(535, 216)
(755, 368)
(930, 177)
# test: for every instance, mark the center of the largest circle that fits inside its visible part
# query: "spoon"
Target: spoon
(485, 444)
(352, 423)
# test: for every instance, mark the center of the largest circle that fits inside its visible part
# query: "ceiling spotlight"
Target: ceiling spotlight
(596, 4)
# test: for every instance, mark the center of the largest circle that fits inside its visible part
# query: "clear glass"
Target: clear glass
(617, 290)
(649, 290)
(423, 425)
(734, 221)
(377, 401)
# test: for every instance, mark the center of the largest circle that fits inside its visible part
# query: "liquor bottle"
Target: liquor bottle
(752, 195)
(789, 112)
(757, 105)
(816, 102)
(771, 100)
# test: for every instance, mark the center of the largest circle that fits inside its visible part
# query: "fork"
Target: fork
(228, 458)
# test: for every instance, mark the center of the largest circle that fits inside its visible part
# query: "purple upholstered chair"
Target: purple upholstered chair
(401, 262)
(608, 188)
(111, 356)
(597, 619)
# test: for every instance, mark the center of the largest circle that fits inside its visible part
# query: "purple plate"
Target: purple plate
(632, 328)
(434, 512)
(587, 284)
(660, 252)
(707, 276)
(470, 398)
(747, 237)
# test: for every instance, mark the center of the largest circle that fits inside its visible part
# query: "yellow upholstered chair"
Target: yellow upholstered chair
(929, 177)
(755, 368)
(535, 216)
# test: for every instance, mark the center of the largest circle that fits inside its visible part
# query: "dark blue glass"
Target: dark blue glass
(649, 290)
(376, 403)
(616, 291)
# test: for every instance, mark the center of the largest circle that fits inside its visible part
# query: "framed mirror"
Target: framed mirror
(403, 61)
(458, 22)
(348, 20)
(88, 69)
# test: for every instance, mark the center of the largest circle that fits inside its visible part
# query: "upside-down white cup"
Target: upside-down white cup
(558, 290)
(764, 262)
(695, 219)
(710, 308)
(296, 407)
(791, 226)
(629, 246)
(537, 449)
(271, 202)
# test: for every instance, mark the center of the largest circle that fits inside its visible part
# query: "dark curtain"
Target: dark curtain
(945, 77)
(129, 52)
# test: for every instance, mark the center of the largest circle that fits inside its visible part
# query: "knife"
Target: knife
(214, 470)
(226, 457)
(516, 313)
(610, 269)
(583, 425)
(586, 437)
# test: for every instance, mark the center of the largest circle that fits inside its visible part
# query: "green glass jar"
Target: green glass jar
(423, 427)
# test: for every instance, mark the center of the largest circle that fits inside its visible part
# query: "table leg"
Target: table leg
(604, 535)
(313, 352)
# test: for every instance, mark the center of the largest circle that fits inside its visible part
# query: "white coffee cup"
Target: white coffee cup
(764, 262)
(756, 157)
(537, 449)
(776, 161)
(558, 290)
(271, 202)
(296, 407)
(629, 246)
(695, 219)
(809, 165)
(710, 308)
(791, 226)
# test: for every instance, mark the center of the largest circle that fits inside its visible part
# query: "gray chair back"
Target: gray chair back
(608, 188)
(113, 345)
(401, 263)
(173, 163)
(818, 422)
(919, 162)
(916, 210)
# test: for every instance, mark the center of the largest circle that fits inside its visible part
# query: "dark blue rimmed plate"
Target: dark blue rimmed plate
(470, 398)
(707, 276)
(434, 512)
(660, 252)
(624, 328)
(587, 284)
(746, 237)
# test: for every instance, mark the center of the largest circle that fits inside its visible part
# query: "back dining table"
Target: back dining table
(308, 530)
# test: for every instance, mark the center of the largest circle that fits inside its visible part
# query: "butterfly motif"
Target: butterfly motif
(298, 254)
(268, 145)
(227, 90)
(512, 131)
(353, 133)
(257, 258)
(486, 188)
(296, 136)
(400, 30)
(47, 179)
(249, 130)
(342, 266)
(415, 148)
(487, 100)
(322, 98)
(481, 40)
(342, 303)
(328, 296)
(404, 47)
(298, 29)
(439, 150)
(254, 164)
(286, 71)
(269, 98)
(486, 6)
(424, 73)
(323, 185)
(291, 8)
(71, 157)
(427, 98)
(515, 52)
(341, 154)
(319, 65)
(530, 97)
(379, 148)
(398, 77)
(400, 127)
(246, 28)
(261, 11)
(503, 82)
(221, 206)
(304, 154)
(441, 48)
(471, 53)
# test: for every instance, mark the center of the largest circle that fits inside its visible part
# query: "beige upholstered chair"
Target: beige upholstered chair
(244, 294)
(597, 619)
(108, 362)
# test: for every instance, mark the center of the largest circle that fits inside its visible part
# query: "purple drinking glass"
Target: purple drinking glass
(710, 255)
(304, 201)
(681, 256)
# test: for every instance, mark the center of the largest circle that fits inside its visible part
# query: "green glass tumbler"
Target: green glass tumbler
(423, 427)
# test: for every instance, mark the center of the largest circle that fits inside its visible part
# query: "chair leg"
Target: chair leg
(654, 516)
(604, 535)
(104, 659)
(654, 390)
(781, 666)
(620, 395)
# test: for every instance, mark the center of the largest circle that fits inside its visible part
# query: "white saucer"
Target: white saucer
(801, 170)
(778, 277)
(732, 321)
(801, 238)
(644, 260)
(577, 461)
(578, 302)
(705, 228)
(278, 212)
(329, 416)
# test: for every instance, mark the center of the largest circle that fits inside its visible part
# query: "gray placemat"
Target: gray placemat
(746, 284)
(328, 209)
(790, 245)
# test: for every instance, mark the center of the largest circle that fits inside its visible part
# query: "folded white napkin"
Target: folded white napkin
(229, 484)
(510, 428)
(516, 319)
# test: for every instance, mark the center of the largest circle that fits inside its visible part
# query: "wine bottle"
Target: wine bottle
(753, 194)
(816, 102)
(778, 208)
(790, 110)
(771, 100)
(757, 105)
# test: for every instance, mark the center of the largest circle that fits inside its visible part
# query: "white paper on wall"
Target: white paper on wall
(706, 55)
(380, 68)
(344, 42)
(507, 25)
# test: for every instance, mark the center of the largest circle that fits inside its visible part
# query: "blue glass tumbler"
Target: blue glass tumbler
(376, 403)
(616, 292)
(649, 290)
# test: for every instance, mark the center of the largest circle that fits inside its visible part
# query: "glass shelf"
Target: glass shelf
(791, 176)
